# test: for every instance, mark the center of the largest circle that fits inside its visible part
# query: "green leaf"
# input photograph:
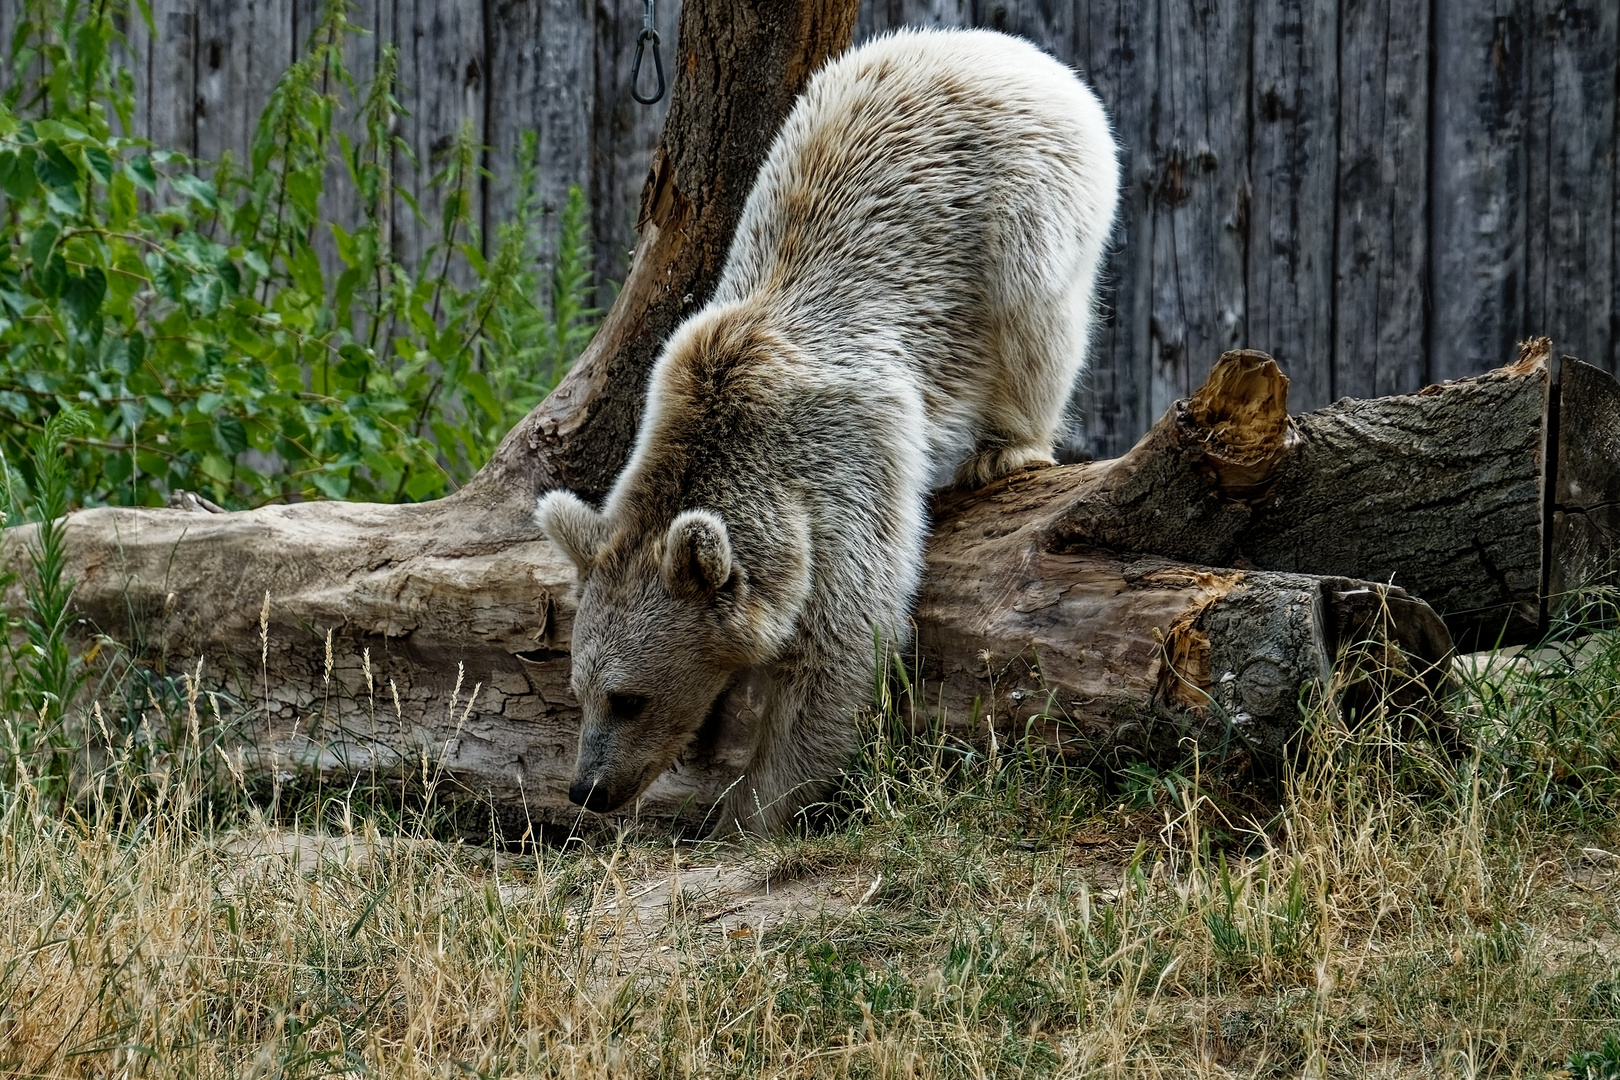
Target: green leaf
(139, 169)
(64, 201)
(17, 173)
(137, 349)
(100, 164)
(332, 485)
(478, 387)
(356, 362)
(230, 434)
(51, 276)
(215, 467)
(82, 294)
(43, 242)
(55, 169)
(195, 188)
(208, 402)
(131, 413)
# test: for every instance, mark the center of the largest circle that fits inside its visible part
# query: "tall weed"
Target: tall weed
(186, 310)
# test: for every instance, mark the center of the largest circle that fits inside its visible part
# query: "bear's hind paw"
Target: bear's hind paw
(988, 465)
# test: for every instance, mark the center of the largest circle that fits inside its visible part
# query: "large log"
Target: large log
(1028, 607)
(1584, 500)
(1494, 498)
(348, 656)
(292, 606)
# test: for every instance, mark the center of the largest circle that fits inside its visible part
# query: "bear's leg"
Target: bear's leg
(807, 733)
(1040, 331)
(999, 458)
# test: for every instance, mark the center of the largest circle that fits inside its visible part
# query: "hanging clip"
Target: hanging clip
(647, 34)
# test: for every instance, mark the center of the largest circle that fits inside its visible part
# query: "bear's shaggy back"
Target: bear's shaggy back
(965, 182)
(906, 303)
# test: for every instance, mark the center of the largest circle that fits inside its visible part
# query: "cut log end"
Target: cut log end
(1583, 503)
(1238, 420)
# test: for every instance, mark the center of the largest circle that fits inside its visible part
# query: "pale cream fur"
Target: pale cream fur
(907, 303)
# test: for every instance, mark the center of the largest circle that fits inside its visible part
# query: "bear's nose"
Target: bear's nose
(587, 793)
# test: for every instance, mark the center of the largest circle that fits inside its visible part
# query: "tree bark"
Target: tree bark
(1452, 493)
(352, 646)
(739, 69)
(1584, 502)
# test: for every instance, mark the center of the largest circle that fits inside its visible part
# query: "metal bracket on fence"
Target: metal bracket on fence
(647, 34)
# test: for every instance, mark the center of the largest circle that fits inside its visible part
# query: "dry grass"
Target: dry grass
(1389, 911)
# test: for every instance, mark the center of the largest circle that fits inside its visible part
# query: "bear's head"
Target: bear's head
(662, 626)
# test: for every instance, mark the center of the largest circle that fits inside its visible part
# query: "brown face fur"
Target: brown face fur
(659, 632)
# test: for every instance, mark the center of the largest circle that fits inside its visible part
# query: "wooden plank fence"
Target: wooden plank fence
(1381, 193)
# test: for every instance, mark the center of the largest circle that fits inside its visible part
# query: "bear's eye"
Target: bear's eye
(626, 706)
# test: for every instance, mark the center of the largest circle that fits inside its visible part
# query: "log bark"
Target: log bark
(1453, 493)
(356, 642)
(1584, 502)
(455, 663)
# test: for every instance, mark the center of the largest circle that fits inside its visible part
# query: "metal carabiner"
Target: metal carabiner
(647, 34)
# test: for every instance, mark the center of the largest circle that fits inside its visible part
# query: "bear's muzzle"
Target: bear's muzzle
(592, 795)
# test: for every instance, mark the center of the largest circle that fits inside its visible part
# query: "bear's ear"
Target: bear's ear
(573, 525)
(697, 555)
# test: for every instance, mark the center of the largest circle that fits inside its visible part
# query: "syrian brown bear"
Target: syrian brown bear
(906, 306)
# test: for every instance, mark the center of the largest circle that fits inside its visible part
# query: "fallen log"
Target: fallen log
(1024, 610)
(1495, 498)
(346, 647)
(359, 640)
(1584, 500)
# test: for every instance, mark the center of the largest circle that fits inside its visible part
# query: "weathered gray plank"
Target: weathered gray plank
(516, 72)
(567, 95)
(1477, 184)
(441, 73)
(623, 132)
(541, 57)
(1200, 197)
(242, 48)
(876, 16)
(1053, 27)
(10, 15)
(1569, 127)
(1379, 322)
(1115, 51)
(370, 27)
(166, 76)
(1378, 250)
(1293, 171)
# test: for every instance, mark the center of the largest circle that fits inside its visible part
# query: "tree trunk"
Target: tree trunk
(740, 67)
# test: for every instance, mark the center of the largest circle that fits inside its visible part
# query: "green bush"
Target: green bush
(189, 317)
